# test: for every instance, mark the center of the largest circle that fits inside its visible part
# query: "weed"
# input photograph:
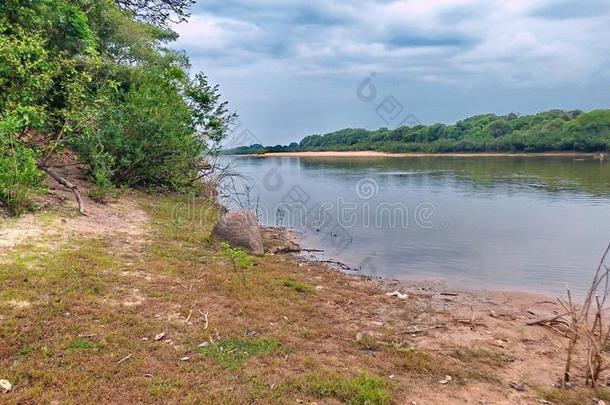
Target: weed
(240, 260)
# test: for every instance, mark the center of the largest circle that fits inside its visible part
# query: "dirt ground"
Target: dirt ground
(126, 305)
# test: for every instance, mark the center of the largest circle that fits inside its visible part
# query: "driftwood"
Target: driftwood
(548, 321)
(61, 180)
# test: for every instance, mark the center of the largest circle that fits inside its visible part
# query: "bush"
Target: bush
(20, 178)
(91, 76)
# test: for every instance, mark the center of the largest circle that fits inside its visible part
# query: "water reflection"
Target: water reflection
(525, 223)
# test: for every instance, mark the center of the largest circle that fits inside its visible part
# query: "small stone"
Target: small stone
(185, 358)
(204, 344)
(446, 380)
(6, 386)
(159, 336)
(392, 376)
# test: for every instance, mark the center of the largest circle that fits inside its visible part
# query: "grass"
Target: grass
(277, 341)
(232, 353)
(574, 396)
(419, 362)
(82, 344)
(363, 389)
(298, 286)
(481, 356)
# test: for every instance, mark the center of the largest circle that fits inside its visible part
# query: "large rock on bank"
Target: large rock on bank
(240, 229)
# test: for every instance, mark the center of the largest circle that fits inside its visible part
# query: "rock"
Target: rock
(240, 229)
(279, 240)
(5, 386)
(446, 380)
(159, 336)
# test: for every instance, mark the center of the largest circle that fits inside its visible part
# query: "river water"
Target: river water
(514, 223)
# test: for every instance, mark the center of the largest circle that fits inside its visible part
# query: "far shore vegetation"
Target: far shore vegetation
(551, 131)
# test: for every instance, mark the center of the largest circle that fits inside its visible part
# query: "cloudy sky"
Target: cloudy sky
(291, 68)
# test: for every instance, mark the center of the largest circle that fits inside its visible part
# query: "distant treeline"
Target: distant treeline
(554, 130)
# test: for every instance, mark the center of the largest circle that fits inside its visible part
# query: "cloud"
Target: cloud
(299, 57)
(571, 9)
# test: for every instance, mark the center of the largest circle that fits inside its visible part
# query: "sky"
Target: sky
(293, 68)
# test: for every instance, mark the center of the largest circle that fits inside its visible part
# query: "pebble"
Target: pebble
(445, 380)
(159, 336)
(6, 386)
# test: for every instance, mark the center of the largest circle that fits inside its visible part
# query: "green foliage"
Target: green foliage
(232, 353)
(553, 130)
(98, 77)
(238, 258)
(20, 178)
(361, 390)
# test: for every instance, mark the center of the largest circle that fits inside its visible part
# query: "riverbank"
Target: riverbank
(351, 154)
(134, 303)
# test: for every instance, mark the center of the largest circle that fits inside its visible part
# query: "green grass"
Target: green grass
(82, 344)
(232, 353)
(363, 389)
(298, 286)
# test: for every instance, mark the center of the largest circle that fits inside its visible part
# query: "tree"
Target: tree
(97, 77)
(158, 12)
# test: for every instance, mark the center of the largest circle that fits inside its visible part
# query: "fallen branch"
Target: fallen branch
(544, 321)
(57, 177)
(124, 359)
(205, 319)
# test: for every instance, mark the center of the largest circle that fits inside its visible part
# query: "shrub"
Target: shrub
(20, 178)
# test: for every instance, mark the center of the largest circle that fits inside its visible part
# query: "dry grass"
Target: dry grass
(78, 324)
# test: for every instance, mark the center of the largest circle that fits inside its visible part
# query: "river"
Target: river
(512, 223)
